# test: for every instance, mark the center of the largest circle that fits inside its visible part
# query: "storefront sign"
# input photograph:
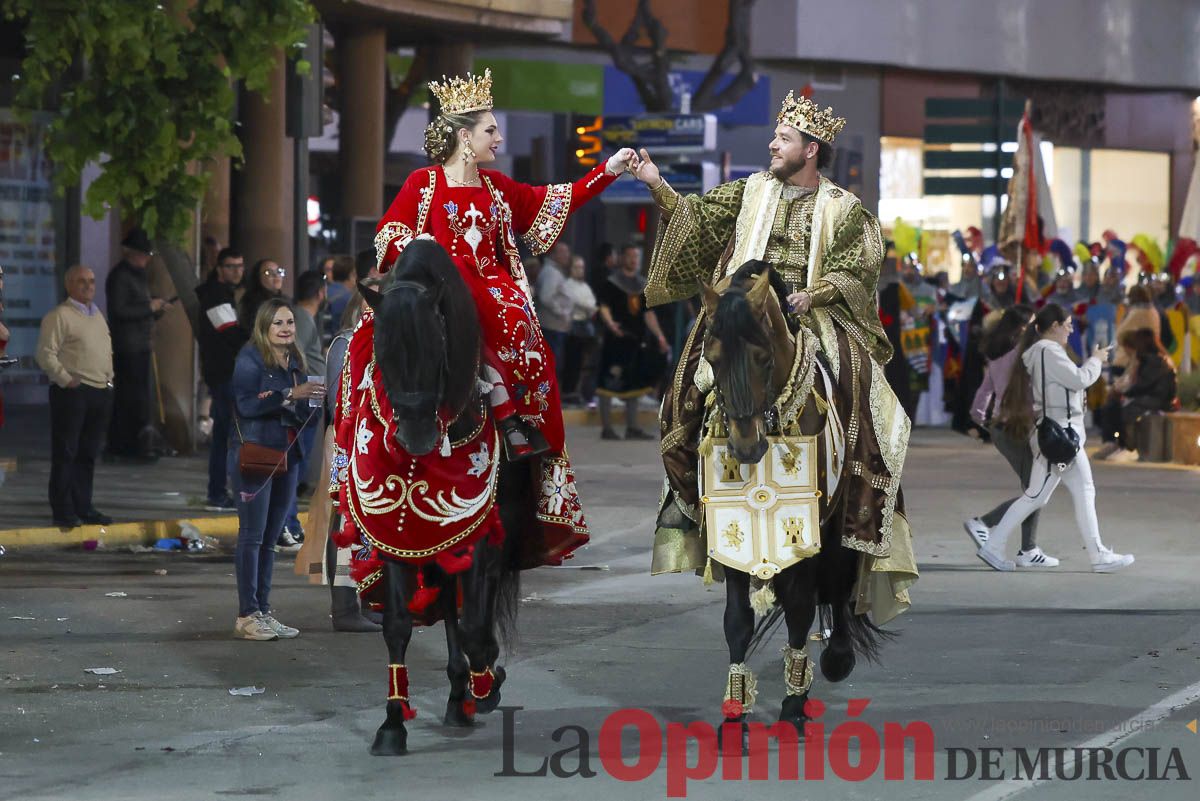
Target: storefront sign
(752, 108)
(662, 133)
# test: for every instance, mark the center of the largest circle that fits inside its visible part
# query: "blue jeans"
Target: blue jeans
(308, 436)
(218, 451)
(260, 520)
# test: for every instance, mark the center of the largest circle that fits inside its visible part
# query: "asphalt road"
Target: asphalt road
(1052, 659)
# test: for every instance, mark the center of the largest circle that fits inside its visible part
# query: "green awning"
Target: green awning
(519, 85)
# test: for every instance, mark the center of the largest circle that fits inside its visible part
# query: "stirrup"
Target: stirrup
(520, 440)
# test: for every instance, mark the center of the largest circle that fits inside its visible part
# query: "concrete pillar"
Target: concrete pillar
(263, 225)
(362, 54)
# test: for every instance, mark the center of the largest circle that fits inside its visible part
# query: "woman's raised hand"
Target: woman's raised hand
(619, 162)
(309, 389)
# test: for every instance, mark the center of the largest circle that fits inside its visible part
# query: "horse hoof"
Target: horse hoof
(456, 716)
(736, 725)
(390, 741)
(486, 705)
(837, 664)
(792, 711)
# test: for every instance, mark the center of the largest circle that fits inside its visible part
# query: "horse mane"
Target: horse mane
(405, 335)
(735, 324)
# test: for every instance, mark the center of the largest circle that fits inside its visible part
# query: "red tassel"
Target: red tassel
(732, 708)
(424, 597)
(455, 563)
(481, 683)
(409, 712)
(468, 707)
(496, 536)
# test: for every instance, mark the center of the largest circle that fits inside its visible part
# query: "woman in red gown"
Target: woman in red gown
(476, 214)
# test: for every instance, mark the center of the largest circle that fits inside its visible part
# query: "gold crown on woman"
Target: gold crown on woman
(460, 95)
(804, 115)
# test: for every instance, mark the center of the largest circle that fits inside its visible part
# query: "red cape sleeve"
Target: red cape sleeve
(540, 212)
(404, 219)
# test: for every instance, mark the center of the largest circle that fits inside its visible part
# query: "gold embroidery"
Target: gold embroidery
(390, 232)
(733, 535)
(550, 219)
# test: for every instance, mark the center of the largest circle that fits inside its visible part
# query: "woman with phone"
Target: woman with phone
(273, 401)
(1051, 385)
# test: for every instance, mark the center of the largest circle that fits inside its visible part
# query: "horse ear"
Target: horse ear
(709, 298)
(758, 293)
(371, 296)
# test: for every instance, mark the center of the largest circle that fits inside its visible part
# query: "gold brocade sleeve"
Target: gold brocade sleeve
(665, 197)
(690, 240)
(850, 278)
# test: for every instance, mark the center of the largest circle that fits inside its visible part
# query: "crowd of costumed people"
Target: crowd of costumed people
(936, 325)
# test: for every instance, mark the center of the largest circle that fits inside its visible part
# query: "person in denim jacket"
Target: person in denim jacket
(272, 401)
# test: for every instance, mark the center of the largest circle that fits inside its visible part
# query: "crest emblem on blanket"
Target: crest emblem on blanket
(762, 518)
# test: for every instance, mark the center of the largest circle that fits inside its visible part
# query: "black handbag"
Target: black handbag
(1058, 444)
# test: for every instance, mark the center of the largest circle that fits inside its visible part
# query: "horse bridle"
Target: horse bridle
(425, 398)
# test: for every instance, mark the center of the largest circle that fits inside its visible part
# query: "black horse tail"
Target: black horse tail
(508, 592)
(850, 632)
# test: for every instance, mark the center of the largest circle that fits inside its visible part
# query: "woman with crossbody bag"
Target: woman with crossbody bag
(271, 404)
(1056, 386)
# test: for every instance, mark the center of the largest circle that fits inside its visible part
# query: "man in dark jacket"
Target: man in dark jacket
(131, 315)
(220, 338)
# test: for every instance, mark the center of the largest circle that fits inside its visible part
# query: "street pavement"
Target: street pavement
(1051, 659)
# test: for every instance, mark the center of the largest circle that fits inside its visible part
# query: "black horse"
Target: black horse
(427, 346)
(752, 349)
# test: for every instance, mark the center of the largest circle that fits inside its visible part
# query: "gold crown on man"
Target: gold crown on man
(459, 95)
(804, 115)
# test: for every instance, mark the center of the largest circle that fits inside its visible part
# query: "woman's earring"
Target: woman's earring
(468, 154)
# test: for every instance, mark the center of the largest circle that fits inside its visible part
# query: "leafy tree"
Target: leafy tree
(147, 89)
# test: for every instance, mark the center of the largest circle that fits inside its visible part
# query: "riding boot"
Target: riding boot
(521, 441)
(346, 613)
(344, 606)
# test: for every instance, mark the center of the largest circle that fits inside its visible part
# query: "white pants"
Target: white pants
(1043, 480)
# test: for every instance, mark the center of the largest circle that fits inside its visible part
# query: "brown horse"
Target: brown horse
(757, 361)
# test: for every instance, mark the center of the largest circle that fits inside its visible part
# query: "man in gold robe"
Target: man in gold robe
(828, 249)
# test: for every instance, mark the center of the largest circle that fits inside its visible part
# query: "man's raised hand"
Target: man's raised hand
(645, 170)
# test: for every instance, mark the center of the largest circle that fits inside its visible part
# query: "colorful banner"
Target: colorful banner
(27, 241)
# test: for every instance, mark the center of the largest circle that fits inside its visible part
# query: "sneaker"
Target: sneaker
(608, 433)
(226, 504)
(281, 631)
(1035, 557)
(1106, 450)
(995, 560)
(1123, 456)
(637, 433)
(977, 530)
(253, 627)
(287, 541)
(1108, 562)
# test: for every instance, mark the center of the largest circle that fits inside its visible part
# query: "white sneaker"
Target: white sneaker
(995, 560)
(1123, 456)
(1106, 450)
(977, 530)
(1035, 557)
(1108, 562)
(281, 631)
(253, 627)
(287, 541)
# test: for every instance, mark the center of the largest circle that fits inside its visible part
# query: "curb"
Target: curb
(144, 532)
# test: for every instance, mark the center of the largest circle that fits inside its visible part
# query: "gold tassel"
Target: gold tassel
(708, 576)
(762, 599)
(706, 447)
(822, 406)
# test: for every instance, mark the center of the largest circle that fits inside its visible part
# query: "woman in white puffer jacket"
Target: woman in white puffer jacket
(1045, 360)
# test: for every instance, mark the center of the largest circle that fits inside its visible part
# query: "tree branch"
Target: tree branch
(650, 77)
(398, 98)
(736, 50)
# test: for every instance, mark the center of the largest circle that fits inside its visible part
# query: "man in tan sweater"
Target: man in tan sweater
(75, 351)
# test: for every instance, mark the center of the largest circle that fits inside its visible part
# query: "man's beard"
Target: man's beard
(789, 168)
